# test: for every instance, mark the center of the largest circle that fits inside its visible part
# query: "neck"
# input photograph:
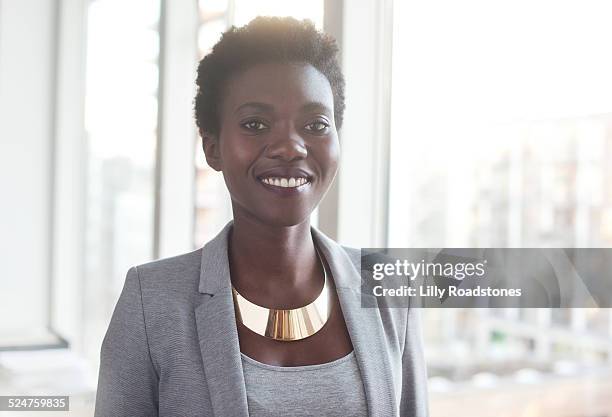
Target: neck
(267, 259)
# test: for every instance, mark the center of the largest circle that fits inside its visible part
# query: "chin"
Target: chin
(280, 217)
(287, 219)
(283, 218)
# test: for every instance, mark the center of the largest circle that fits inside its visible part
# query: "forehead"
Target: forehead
(283, 86)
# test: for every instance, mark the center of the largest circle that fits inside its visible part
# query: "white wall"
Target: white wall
(27, 81)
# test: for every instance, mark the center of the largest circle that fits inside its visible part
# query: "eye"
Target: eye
(317, 127)
(256, 125)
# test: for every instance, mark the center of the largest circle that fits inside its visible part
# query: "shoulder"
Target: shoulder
(176, 265)
(354, 254)
(366, 260)
(166, 293)
(176, 277)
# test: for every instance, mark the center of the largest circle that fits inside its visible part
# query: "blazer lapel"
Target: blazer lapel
(217, 333)
(365, 329)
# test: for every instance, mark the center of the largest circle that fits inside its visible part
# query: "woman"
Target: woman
(184, 339)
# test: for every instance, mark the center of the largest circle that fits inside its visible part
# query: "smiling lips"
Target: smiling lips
(286, 186)
(285, 182)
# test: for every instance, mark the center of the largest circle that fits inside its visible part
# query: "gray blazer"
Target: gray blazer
(171, 349)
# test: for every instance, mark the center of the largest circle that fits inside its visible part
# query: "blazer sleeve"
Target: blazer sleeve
(414, 400)
(127, 382)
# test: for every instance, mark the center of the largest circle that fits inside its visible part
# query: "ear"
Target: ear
(212, 150)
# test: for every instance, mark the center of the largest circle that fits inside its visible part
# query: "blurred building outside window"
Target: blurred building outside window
(502, 137)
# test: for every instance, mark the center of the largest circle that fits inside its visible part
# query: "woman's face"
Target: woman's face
(278, 146)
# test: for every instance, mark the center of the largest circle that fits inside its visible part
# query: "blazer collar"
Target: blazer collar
(215, 274)
(218, 336)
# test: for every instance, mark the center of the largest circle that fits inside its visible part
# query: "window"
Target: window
(121, 132)
(501, 136)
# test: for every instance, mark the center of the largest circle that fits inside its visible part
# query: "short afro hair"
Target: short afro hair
(264, 40)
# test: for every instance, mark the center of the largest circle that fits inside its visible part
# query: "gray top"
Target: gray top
(328, 389)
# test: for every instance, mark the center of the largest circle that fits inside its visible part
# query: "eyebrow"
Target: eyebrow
(263, 107)
(314, 105)
(256, 106)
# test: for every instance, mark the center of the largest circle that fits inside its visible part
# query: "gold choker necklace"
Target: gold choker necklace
(285, 325)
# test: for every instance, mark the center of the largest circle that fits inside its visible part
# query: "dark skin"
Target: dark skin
(278, 116)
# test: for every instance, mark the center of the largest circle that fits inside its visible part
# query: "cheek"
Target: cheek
(235, 166)
(237, 158)
(331, 159)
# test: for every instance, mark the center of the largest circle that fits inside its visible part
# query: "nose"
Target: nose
(288, 145)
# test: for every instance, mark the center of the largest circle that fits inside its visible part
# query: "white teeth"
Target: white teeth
(285, 182)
